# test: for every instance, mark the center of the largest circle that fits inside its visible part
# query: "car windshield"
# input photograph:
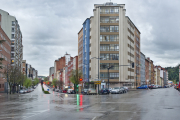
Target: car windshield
(116, 88)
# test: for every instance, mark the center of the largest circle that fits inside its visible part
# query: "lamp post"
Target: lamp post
(108, 74)
(98, 69)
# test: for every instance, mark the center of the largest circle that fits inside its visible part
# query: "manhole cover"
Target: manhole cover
(168, 108)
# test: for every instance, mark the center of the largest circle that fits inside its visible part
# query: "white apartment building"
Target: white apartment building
(112, 39)
(11, 27)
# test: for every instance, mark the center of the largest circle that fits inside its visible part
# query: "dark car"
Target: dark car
(104, 91)
(150, 86)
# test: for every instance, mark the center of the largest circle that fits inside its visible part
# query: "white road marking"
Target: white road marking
(42, 111)
(94, 118)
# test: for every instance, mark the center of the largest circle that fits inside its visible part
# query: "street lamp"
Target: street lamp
(108, 74)
(98, 69)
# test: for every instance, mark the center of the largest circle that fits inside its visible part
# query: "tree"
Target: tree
(45, 79)
(60, 84)
(74, 78)
(27, 83)
(54, 82)
(36, 81)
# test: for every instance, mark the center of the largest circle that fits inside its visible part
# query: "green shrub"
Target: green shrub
(46, 92)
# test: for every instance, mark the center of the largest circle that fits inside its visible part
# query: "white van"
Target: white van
(69, 91)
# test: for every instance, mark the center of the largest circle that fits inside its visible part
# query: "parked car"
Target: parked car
(53, 89)
(84, 91)
(31, 89)
(56, 90)
(116, 90)
(71, 91)
(150, 86)
(142, 87)
(126, 88)
(25, 90)
(166, 86)
(21, 91)
(123, 89)
(91, 91)
(104, 91)
(64, 91)
(110, 89)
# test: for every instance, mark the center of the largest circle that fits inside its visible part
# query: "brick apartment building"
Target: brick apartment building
(5, 49)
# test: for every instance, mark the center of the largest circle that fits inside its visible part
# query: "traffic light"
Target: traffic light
(132, 65)
(80, 79)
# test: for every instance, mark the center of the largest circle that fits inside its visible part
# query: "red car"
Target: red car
(150, 86)
(64, 91)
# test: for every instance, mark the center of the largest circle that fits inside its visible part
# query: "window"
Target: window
(13, 23)
(12, 42)
(109, 47)
(109, 10)
(0, 85)
(12, 48)
(109, 19)
(12, 29)
(107, 38)
(109, 28)
(12, 36)
(104, 66)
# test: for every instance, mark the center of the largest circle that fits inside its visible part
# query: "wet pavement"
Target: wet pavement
(156, 104)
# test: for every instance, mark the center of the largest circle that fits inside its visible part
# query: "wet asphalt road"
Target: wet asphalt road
(157, 104)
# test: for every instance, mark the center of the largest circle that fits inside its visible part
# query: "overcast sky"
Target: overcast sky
(50, 27)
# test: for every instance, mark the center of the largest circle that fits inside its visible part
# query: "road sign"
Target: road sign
(79, 85)
(97, 83)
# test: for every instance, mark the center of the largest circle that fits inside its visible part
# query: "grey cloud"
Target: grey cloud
(50, 28)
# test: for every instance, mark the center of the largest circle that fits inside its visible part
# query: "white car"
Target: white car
(116, 90)
(21, 91)
(56, 90)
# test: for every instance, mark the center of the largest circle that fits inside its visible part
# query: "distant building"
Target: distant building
(142, 69)
(80, 49)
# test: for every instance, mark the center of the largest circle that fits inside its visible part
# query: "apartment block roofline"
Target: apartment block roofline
(85, 20)
(142, 53)
(133, 24)
(80, 30)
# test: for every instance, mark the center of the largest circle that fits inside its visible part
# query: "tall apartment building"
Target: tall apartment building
(86, 49)
(137, 54)
(80, 49)
(112, 38)
(12, 29)
(157, 80)
(142, 69)
(5, 53)
(147, 71)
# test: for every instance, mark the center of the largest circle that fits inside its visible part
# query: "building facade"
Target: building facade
(112, 38)
(80, 49)
(147, 70)
(137, 56)
(142, 69)
(5, 54)
(11, 27)
(86, 49)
